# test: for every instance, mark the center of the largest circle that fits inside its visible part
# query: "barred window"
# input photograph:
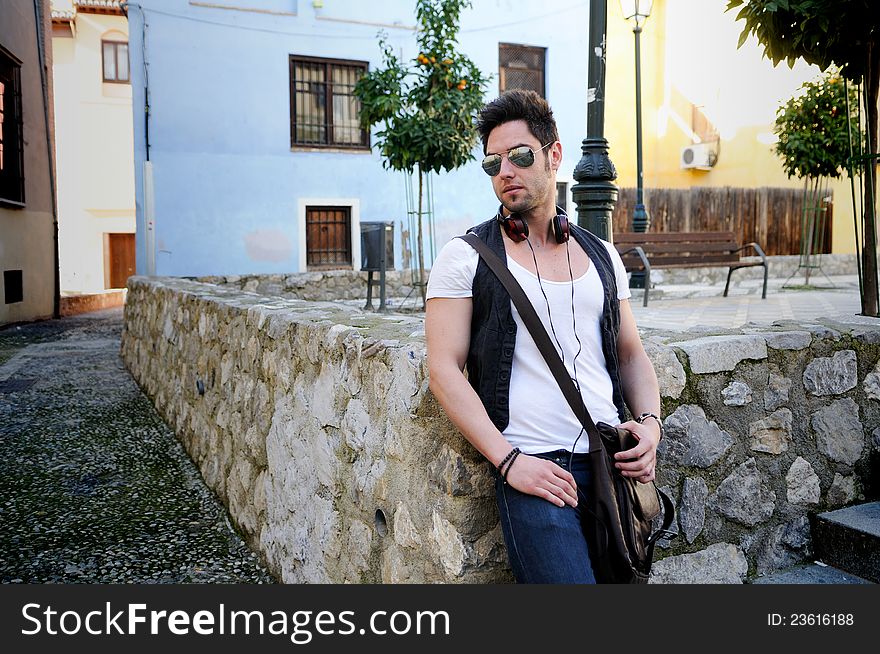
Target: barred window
(521, 67)
(115, 57)
(11, 143)
(324, 110)
(328, 238)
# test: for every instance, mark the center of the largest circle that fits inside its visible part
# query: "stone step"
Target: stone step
(849, 539)
(811, 573)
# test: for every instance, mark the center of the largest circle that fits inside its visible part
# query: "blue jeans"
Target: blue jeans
(546, 543)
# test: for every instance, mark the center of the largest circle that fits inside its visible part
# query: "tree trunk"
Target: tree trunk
(420, 245)
(870, 300)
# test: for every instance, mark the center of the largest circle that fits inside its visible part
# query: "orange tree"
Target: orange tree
(426, 108)
(845, 33)
(812, 128)
(814, 144)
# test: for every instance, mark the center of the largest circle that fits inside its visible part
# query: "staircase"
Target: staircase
(846, 546)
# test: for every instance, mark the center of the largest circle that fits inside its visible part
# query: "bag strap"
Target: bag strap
(539, 334)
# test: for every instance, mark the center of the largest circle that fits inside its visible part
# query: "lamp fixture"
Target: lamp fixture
(636, 10)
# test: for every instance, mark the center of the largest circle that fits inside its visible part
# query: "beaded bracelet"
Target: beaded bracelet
(507, 458)
(510, 465)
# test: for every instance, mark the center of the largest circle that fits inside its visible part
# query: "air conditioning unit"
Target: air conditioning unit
(701, 156)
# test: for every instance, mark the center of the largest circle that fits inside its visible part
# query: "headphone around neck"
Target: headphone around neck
(517, 228)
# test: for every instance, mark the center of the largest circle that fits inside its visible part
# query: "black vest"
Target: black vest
(493, 329)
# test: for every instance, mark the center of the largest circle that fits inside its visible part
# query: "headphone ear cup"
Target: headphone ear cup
(517, 228)
(560, 228)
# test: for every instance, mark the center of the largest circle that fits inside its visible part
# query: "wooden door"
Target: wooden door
(118, 259)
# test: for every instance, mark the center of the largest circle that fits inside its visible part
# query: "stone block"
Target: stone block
(671, 376)
(789, 340)
(839, 433)
(745, 496)
(737, 393)
(718, 353)
(872, 383)
(771, 434)
(777, 391)
(691, 439)
(448, 544)
(843, 491)
(405, 532)
(720, 563)
(802, 483)
(831, 375)
(692, 513)
(783, 546)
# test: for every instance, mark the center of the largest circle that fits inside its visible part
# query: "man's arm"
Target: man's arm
(447, 333)
(642, 395)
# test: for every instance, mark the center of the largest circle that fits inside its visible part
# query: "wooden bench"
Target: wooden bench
(643, 251)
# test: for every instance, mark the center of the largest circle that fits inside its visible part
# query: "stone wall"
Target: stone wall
(313, 423)
(352, 285)
(318, 286)
(314, 426)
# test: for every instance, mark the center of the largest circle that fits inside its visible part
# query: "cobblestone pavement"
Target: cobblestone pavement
(94, 487)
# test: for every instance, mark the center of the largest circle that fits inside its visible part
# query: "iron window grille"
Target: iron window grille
(324, 111)
(521, 67)
(11, 137)
(115, 62)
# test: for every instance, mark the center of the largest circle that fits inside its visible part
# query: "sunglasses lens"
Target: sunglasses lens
(492, 164)
(522, 157)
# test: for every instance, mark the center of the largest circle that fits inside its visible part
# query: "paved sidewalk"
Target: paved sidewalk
(683, 307)
(94, 487)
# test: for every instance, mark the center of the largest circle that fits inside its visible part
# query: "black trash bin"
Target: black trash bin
(377, 255)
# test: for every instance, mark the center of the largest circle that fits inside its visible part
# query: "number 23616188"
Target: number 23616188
(810, 620)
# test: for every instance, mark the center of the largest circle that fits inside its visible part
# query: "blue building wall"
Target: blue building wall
(228, 191)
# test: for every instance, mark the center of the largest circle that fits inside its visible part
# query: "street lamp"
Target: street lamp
(595, 193)
(638, 11)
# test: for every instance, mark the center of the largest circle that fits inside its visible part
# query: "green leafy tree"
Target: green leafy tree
(844, 33)
(814, 144)
(812, 129)
(426, 108)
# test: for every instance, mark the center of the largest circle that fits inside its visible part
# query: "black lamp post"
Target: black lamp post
(638, 12)
(595, 193)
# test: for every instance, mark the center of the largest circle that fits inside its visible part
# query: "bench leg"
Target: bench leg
(727, 285)
(369, 304)
(764, 292)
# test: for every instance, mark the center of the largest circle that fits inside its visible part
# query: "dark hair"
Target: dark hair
(518, 104)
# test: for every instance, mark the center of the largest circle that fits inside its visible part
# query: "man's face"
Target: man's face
(522, 189)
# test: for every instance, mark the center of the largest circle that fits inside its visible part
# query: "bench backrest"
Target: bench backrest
(679, 249)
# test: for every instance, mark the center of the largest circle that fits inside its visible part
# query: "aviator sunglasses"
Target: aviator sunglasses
(521, 157)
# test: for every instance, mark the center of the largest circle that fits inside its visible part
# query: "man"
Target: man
(510, 399)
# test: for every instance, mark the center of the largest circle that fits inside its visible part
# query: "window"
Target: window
(13, 286)
(328, 238)
(115, 55)
(562, 195)
(11, 144)
(324, 112)
(521, 67)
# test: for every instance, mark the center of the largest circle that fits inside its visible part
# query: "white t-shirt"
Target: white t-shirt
(540, 418)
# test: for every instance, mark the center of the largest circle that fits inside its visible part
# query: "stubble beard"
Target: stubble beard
(528, 200)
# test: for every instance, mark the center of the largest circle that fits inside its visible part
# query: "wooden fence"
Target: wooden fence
(770, 216)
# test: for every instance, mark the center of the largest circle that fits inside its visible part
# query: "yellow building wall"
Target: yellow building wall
(95, 151)
(689, 57)
(27, 234)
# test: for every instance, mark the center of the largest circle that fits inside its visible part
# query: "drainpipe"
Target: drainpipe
(148, 207)
(41, 44)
